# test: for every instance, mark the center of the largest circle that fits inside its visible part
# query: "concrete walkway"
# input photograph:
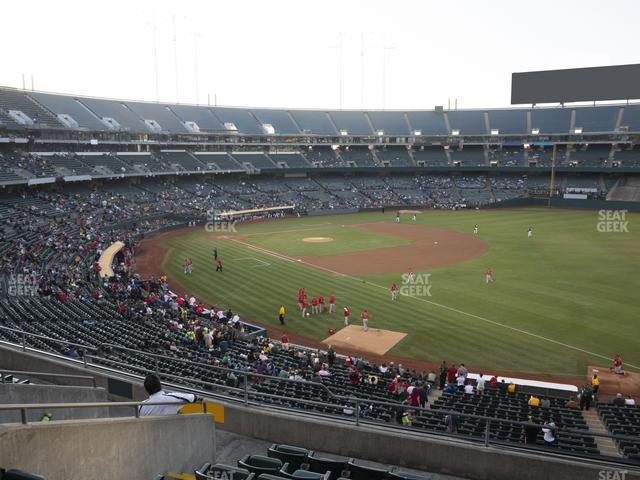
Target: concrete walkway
(607, 446)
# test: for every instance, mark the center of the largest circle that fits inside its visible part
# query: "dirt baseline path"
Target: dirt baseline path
(430, 247)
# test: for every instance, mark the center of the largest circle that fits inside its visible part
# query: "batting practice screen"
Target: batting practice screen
(619, 82)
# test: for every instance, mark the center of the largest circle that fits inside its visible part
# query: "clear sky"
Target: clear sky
(284, 53)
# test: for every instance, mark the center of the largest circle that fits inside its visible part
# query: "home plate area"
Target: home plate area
(375, 340)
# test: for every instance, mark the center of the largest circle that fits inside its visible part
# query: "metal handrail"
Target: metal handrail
(215, 367)
(43, 337)
(357, 403)
(3, 372)
(24, 407)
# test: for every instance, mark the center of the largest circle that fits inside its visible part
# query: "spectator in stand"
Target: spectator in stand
(468, 388)
(443, 375)
(450, 388)
(480, 384)
(619, 400)
(462, 371)
(423, 394)
(534, 402)
(549, 432)
(585, 397)
(451, 373)
(595, 384)
(545, 403)
(571, 403)
(629, 400)
(156, 395)
(493, 382)
(531, 430)
(511, 388)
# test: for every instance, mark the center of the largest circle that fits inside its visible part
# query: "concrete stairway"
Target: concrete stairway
(607, 446)
(626, 189)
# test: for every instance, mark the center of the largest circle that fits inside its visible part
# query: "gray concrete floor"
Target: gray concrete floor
(231, 447)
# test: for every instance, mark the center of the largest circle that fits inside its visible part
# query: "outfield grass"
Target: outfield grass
(560, 299)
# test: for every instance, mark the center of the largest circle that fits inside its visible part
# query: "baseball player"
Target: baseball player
(398, 216)
(475, 229)
(530, 232)
(365, 320)
(394, 291)
(304, 307)
(332, 304)
(345, 314)
(188, 266)
(488, 275)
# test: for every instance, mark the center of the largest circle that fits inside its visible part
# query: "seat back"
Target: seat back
(319, 464)
(260, 464)
(294, 456)
(360, 472)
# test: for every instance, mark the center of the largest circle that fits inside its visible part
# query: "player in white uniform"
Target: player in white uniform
(475, 229)
(530, 232)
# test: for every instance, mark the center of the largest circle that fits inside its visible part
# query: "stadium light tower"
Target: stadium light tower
(340, 69)
(196, 36)
(153, 27)
(175, 56)
(384, 70)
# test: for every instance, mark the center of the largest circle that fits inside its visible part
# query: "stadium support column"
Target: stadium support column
(552, 181)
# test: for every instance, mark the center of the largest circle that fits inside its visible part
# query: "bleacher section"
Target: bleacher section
(396, 156)
(63, 105)
(291, 159)
(431, 156)
(623, 420)
(183, 160)
(597, 119)
(144, 161)
(108, 161)
(278, 119)
(592, 156)
(508, 122)
(221, 159)
(391, 123)
(314, 122)
(17, 100)
(630, 157)
(258, 160)
(470, 155)
(360, 156)
(504, 406)
(354, 123)
(467, 123)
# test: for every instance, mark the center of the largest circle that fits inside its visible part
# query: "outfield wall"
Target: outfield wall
(566, 203)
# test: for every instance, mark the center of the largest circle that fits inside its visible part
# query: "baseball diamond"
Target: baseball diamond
(504, 324)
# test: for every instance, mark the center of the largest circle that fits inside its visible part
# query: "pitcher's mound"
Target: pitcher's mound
(375, 340)
(317, 239)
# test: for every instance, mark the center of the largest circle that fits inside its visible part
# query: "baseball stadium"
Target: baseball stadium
(322, 293)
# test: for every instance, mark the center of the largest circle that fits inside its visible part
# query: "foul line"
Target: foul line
(446, 307)
(262, 262)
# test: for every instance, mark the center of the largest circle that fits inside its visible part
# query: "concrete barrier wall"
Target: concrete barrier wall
(135, 449)
(10, 393)
(432, 454)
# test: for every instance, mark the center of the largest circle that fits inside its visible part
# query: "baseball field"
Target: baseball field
(565, 298)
